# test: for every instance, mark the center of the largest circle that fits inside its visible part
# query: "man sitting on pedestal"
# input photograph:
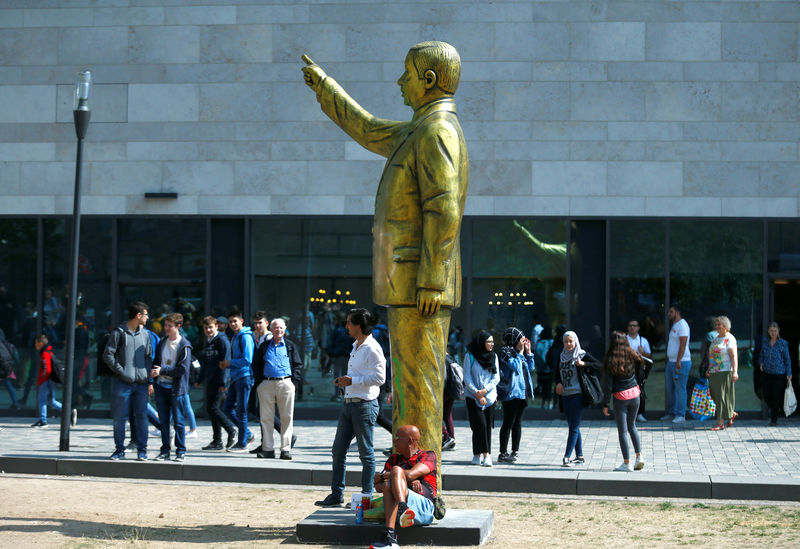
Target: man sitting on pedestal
(408, 484)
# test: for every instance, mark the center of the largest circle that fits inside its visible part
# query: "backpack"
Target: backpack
(453, 379)
(57, 369)
(102, 367)
(8, 359)
(381, 335)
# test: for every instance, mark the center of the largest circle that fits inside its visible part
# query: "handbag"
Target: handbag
(504, 386)
(702, 406)
(789, 400)
(591, 389)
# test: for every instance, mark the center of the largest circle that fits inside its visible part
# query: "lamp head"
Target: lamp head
(83, 85)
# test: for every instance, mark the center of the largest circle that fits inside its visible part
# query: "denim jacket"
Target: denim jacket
(516, 366)
(477, 378)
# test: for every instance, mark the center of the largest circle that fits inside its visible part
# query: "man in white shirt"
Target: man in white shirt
(679, 362)
(366, 372)
(642, 348)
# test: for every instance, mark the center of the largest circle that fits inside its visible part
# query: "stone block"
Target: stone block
(162, 150)
(681, 150)
(779, 179)
(214, 132)
(198, 177)
(282, 72)
(721, 131)
(532, 41)
(28, 152)
(682, 101)
(607, 41)
(779, 131)
(644, 485)
(570, 70)
(763, 101)
(233, 205)
(9, 175)
(342, 177)
(265, 474)
(613, 206)
(644, 11)
(242, 150)
(276, 130)
(127, 16)
(684, 41)
(31, 104)
(530, 150)
(49, 177)
(479, 205)
(164, 44)
(233, 102)
(760, 151)
(779, 72)
(721, 72)
(721, 179)
(163, 102)
(200, 15)
(645, 179)
(269, 178)
(462, 35)
(569, 11)
(645, 131)
(500, 178)
(11, 18)
(337, 526)
(185, 73)
(380, 41)
(13, 75)
(607, 150)
(722, 11)
(109, 103)
(492, 130)
(475, 101)
(532, 101)
(322, 42)
(29, 204)
(569, 131)
(569, 178)
(359, 205)
(138, 204)
(124, 468)
(495, 71)
(730, 487)
(100, 46)
(659, 206)
(354, 151)
(28, 465)
(121, 178)
(315, 151)
(309, 205)
(93, 205)
(759, 208)
(759, 42)
(63, 17)
(277, 13)
(645, 71)
(607, 101)
(236, 44)
(537, 205)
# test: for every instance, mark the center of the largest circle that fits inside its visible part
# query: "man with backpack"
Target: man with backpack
(48, 375)
(239, 378)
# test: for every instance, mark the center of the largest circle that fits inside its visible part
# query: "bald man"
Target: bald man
(408, 484)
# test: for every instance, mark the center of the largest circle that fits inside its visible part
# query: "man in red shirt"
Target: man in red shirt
(47, 387)
(408, 484)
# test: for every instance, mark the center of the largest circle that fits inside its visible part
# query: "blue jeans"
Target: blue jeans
(573, 407)
(47, 396)
(167, 404)
(127, 398)
(675, 382)
(188, 412)
(11, 392)
(236, 407)
(357, 419)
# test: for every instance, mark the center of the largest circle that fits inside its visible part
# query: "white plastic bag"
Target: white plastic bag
(789, 400)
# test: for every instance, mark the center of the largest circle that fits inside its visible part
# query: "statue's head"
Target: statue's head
(433, 70)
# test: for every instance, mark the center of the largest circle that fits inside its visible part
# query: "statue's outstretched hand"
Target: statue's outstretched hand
(428, 301)
(312, 73)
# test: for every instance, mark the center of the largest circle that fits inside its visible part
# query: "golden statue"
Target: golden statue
(416, 256)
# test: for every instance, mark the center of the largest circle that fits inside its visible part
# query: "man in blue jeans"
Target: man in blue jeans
(366, 372)
(679, 363)
(240, 378)
(128, 355)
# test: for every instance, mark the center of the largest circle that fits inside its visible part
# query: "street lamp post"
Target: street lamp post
(81, 115)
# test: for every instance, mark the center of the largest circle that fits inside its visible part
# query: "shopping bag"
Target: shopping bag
(789, 400)
(702, 406)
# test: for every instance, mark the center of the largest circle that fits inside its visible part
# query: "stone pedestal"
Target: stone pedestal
(458, 527)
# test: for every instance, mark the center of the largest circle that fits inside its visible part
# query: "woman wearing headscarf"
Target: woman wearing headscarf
(481, 376)
(775, 363)
(569, 387)
(517, 364)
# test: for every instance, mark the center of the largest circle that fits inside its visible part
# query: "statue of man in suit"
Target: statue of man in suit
(419, 204)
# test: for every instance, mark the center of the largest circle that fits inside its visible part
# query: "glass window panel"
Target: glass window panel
(588, 268)
(784, 247)
(162, 248)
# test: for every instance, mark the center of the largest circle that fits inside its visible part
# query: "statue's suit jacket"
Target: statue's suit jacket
(420, 198)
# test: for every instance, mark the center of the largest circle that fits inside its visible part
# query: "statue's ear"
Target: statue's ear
(430, 79)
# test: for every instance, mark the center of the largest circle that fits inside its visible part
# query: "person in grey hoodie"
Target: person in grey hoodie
(128, 355)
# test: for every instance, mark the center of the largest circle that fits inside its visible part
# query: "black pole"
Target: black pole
(81, 125)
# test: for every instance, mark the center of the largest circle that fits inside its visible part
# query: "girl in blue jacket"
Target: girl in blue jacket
(516, 365)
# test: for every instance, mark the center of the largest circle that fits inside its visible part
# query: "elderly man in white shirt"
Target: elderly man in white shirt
(366, 372)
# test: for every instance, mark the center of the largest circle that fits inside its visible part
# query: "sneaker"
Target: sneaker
(388, 541)
(238, 448)
(231, 438)
(330, 501)
(641, 418)
(449, 444)
(503, 457)
(678, 419)
(155, 432)
(179, 457)
(131, 446)
(265, 454)
(578, 461)
(405, 516)
(625, 467)
(565, 462)
(116, 456)
(141, 456)
(163, 456)
(192, 434)
(40, 424)
(73, 420)
(214, 445)
(286, 455)
(666, 417)
(487, 461)
(250, 440)
(256, 450)
(476, 460)
(294, 440)
(512, 458)
(639, 464)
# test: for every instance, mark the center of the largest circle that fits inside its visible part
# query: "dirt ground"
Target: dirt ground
(46, 512)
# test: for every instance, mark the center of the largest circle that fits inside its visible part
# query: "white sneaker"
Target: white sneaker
(639, 464)
(641, 418)
(678, 419)
(625, 467)
(192, 434)
(566, 462)
(487, 461)
(476, 460)
(666, 417)
(155, 433)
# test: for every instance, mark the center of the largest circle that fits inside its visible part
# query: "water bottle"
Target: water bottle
(359, 513)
